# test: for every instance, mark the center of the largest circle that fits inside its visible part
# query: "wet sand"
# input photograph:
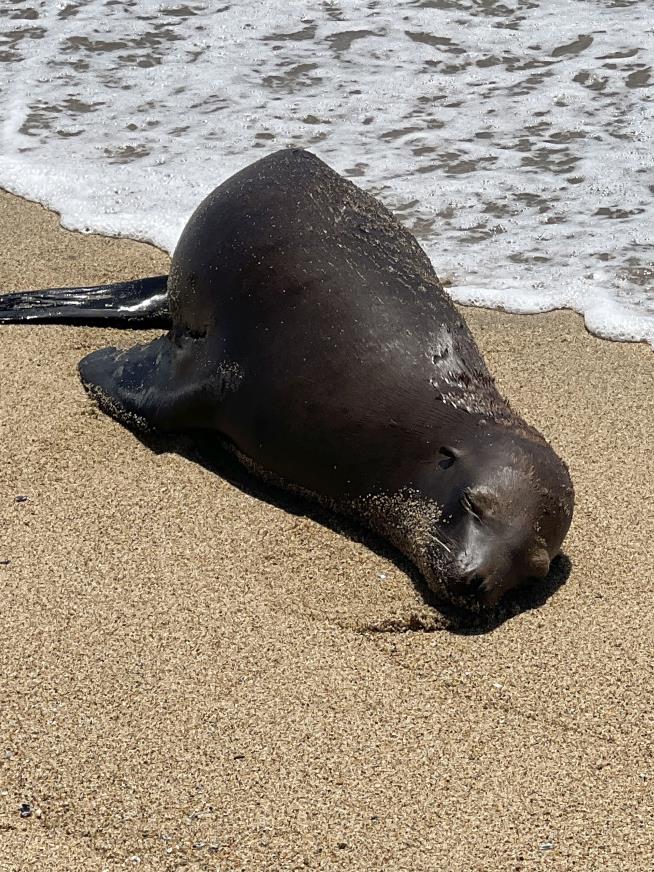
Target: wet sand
(193, 676)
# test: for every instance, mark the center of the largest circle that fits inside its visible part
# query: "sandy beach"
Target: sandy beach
(194, 676)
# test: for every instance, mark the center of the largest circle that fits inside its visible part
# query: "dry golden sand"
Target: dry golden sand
(186, 676)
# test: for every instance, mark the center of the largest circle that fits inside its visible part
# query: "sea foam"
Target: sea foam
(514, 139)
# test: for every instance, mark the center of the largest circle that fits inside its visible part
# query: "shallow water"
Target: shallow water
(514, 138)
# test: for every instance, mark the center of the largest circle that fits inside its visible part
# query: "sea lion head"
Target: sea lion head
(508, 508)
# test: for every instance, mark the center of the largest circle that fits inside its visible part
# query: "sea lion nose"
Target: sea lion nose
(482, 587)
(487, 580)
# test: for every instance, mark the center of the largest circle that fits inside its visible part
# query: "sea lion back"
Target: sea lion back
(291, 218)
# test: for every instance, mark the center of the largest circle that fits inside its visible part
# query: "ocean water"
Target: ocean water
(514, 137)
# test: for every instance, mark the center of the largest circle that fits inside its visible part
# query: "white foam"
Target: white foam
(515, 140)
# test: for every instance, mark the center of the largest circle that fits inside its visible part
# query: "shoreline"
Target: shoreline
(165, 258)
(190, 671)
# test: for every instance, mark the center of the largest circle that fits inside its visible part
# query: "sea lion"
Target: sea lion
(309, 331)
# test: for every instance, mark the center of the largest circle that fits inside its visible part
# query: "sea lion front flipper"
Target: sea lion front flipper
(167, 384)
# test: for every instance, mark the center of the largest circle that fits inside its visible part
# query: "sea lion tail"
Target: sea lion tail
(138, 303)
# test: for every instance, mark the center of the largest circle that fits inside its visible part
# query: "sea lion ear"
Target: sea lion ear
(447, 456)
(538, 563)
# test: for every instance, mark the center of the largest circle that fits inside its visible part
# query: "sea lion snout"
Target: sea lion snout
(532, 564)
(487, 578)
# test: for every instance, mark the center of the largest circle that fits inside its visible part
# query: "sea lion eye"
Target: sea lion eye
(471, 505)
(480, 501)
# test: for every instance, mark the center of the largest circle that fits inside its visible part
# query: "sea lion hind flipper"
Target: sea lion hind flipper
(141, 302)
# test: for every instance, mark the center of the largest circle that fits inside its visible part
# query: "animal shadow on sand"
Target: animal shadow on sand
(202, 449)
